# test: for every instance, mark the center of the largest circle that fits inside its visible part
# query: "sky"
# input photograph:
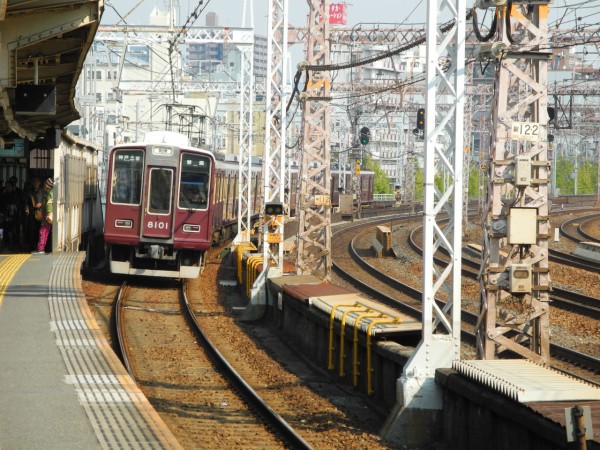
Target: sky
(569, 13)
(230, 11)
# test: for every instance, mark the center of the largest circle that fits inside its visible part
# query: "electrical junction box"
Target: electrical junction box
(522, 226)
(519, 278)
(522, 171)
(346, 201)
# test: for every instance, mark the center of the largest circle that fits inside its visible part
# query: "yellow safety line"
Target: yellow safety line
(8, 269)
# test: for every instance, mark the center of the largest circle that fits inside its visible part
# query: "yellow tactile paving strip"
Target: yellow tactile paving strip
(118, 411)
(8, 268)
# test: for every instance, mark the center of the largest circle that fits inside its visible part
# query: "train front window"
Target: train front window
(127, 176)
(194, 184)
(161, 182)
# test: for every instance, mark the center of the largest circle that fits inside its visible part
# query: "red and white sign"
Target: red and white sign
(337, 13)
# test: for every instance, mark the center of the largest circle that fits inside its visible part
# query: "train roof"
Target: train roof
(166, 137)
(171, 138)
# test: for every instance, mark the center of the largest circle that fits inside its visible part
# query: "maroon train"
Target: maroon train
(167, 202)
(158, 218)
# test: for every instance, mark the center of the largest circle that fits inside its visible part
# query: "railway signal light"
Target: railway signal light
(365, 134)
(421, 119)
(274, 209)
(273, 214)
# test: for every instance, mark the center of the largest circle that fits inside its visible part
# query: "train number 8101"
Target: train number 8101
(157, 225)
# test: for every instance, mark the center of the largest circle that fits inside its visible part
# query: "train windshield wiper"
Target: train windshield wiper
(187, 202)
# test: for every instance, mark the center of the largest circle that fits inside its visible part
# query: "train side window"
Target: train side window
(194, 184)
(161, 182)
(127, 176)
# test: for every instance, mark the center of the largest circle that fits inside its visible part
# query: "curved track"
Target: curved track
(572, 229)
(588, 221)
(586, 362)
(562, 298)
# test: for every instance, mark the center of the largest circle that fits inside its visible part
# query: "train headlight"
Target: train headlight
(123, 223)
(190, 228)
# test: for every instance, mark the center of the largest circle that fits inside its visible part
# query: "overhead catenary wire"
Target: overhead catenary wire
(572, 7)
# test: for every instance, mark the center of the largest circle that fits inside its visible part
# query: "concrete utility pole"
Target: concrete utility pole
(314, 202)
(417, 416)
(516, 229)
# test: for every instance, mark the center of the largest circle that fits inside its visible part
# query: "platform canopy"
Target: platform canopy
(43, 47)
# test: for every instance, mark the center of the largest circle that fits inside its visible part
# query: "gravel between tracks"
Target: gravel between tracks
(327, 415)
(322, 417)
(566, 328)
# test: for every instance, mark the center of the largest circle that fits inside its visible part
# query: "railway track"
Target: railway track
(561, 298)
(570, 259)
(586, 362)
(573, 229)
(245, 413)
(583, 227)
(187, 374)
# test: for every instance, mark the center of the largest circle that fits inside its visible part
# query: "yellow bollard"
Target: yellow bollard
(331, 322)
(368, 314)
(342, 333)
(369, 368)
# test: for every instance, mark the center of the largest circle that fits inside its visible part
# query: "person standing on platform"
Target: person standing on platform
(9, 208)
(47, 217)
(22, 211)
(34, 200)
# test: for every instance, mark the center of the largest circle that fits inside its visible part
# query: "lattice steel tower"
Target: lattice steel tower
(515, 278)
(314, 203)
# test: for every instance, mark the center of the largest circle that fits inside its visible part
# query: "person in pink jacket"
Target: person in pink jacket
(47, 217)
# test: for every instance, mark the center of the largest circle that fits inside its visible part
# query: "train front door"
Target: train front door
(157, 218)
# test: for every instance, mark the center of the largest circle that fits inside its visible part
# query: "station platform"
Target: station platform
(61, 385)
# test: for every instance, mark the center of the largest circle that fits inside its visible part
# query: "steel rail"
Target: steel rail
(581, 229)
(118, 331)
(246, 391)
(588, 362)
(582, 304)
(571, 223)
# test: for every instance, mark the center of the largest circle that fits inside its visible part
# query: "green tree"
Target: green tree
(438, 181)
(564, 180)
(381, 182)
(475, 173)
(586, 178)
(419, 183)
